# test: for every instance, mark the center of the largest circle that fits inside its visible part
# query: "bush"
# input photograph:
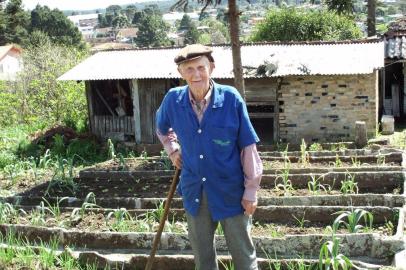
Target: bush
(293, 24)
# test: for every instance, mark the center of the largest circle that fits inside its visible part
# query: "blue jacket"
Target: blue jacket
(210, 150)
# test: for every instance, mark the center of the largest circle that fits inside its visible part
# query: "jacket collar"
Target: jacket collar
(217, 96)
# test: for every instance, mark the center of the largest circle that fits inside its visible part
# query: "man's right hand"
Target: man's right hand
(176, 159)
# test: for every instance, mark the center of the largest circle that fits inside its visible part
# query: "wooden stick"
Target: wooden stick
(158, 234)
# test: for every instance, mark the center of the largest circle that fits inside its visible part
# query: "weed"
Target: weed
(144, 154)
(301, 221)
(122, 166)
(338, 162)
(330, 258)
(389, 227)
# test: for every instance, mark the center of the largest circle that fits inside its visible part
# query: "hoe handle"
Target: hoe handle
(158, 234)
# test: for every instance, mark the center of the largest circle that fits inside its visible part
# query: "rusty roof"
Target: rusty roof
(271, 59)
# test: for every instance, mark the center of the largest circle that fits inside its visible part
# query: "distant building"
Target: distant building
(10, 62)
(85, 23)
(172, 17)
(127, 35)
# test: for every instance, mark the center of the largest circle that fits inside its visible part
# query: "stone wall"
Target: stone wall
(325, 108)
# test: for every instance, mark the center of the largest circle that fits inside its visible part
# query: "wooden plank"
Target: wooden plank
(104, 101)
(89, 100)
(136, 110)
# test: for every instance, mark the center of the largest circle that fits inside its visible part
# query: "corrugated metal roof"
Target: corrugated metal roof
(396, 47)
(279, 60)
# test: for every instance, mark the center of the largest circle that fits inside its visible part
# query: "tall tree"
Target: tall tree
(192, 34)
(233, 15)
(152, 32)
(113, 9)
(185, 23)
(341, 6)
(129, 12)
(371, 18)
(56, 25)
(17, 22)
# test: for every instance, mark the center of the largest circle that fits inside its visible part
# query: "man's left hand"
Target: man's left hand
(249, 207)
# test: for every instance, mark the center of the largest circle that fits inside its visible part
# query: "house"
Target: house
(314, 90)
(394, 90)
(10, 61)
(127, 35)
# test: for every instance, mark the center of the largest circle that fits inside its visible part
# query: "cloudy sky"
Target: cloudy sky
(76, 4)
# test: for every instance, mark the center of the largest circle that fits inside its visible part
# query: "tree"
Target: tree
(192, 34)
(16, 23)
(341, 6)
(233, 15)
(41, 96)
(120, 21)
(371, 20)
(129, 12)
(113, 9)
(56, 25)
(152, 32)
(102, 20)
(185, 23)
(217, 33)
(291, 24)
(138, 15)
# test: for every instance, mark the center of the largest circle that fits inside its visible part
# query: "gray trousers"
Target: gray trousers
(236, 229)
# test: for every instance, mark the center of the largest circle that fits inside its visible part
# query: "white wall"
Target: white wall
(9, 66)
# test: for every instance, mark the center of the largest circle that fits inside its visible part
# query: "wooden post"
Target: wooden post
(136, 109)
(361, 139)
(371, 18)
(89, 99)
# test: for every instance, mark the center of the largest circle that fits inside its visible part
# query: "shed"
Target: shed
(394, 90)
(313, 90)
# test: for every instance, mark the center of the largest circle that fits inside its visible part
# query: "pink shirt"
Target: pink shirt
(250, 160)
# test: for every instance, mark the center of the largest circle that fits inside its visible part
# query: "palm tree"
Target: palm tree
(234, 20)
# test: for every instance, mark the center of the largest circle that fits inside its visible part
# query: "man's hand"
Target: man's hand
(176, 159)
(249, 207)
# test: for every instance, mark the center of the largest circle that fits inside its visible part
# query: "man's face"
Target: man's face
(197, 73)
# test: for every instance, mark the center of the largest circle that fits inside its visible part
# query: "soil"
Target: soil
(97, 222)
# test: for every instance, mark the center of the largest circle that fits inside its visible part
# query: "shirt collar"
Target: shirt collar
(217, 93)
(206, 97)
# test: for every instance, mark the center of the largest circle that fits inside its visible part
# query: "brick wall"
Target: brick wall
(325, 108)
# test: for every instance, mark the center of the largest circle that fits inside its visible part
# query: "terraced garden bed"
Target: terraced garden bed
(107, 215)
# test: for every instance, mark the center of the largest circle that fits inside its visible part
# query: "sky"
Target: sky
(76, 4)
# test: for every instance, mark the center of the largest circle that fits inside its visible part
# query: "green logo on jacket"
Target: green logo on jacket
(221, 142)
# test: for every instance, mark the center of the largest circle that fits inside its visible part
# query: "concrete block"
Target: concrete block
(388, 124)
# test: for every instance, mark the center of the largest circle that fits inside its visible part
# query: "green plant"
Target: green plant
(353, 219)
(8, 213)
(227, 266)
(122, 163)
(355, 162)
(315, 186)
(219, 229)
(89, 202)
(338, 162)
(47, 253)
(167, 163)
(304, 156)
(301, 221)
(390, 228)
(349, 185)
(330, 258)
(144, 154)
(63, 176)
(121, 220)
(315, 147)
(380, 160)
(111, 152)
(286, 184)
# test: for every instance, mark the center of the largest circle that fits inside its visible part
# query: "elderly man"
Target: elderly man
(221, 168)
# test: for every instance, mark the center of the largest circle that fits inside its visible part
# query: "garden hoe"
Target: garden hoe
(158, 234)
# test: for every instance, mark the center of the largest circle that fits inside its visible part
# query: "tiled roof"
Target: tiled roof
(280, 59)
